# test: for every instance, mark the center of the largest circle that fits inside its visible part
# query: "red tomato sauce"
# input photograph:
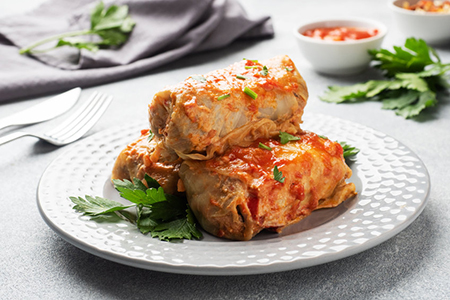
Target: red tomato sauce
(340, 33)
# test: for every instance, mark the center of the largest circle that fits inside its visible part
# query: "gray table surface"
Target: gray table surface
(35, 263)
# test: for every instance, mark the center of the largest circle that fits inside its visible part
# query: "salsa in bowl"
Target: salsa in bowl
(339, 46)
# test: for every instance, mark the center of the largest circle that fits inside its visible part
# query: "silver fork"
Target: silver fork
(74, 127)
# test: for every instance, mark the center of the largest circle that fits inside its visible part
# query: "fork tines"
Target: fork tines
(83, 119)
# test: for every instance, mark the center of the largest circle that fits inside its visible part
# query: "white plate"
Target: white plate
(391, 181)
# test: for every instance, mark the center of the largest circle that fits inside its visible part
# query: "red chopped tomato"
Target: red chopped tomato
(340, 33)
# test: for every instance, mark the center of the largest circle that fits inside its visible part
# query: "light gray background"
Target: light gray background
(35, 263)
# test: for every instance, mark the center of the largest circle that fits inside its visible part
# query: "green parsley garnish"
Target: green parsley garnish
(164, 216)
(253, 60)
(414, 75)
(250, 93)
(264, 71)
(251, 67)
(223, 97)
(112, 25)
(289, 69)
(278, 175)
(286, 137)
(151, 135)
(262, 146)
(241, 77)
(199, 78)
(348, 150)
(94, 206)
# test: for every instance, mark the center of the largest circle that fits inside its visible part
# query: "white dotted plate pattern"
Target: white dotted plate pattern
(391, 181)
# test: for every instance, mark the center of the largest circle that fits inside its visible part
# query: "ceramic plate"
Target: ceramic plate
(391, 181)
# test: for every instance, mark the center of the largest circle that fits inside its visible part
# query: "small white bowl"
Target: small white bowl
(339, 57)
(434, 28)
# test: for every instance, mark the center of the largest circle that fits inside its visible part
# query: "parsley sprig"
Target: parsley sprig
(264, 71)
(348, 149)
(286, 137)
(111, 25)
(278, 175)
(414, 74)
(164, 216)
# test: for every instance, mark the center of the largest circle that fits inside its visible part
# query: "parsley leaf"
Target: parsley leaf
(183, 228)
(94, 206)
(173, 207)
(111, 25)
(264, 71)
(286, 137)
(414, 76)
(278, 175)
(144, 221)
(162, 215)
(138, 193)
(414, 56)
(348, 150)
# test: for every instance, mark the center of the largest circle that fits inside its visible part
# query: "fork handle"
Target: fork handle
(12, 136)
(5, 123)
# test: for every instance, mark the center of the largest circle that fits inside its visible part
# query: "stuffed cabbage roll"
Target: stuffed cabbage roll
(240, 193)
(140, 158)
(204, 115)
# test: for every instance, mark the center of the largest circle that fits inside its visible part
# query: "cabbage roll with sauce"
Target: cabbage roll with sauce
(140, 157)
(238, 194)
(204, 115)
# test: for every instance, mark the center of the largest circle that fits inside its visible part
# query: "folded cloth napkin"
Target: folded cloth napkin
(165, 31)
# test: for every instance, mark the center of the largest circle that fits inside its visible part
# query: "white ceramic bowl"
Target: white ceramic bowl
(434, 28)
(339, 57)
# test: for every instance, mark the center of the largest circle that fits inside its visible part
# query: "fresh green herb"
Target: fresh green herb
(199, 78)
(348, 150)
(241, 77)
(253, 60)
(151, 135)
(413, 57)
(322, 137)
(251, 67)
(113, 25)
(164, 216)
(286, 137)
(223, 97)
(264, 71)
(184, 228)
(94, 206)
(278, 175)
(414, 76)
(262, 146)
(251, 93)
(289, 69)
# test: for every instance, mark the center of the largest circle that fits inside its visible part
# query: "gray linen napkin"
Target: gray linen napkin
(165, 31)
